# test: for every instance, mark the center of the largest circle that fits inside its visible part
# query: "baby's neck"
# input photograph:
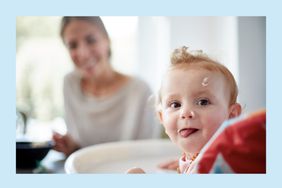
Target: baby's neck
(191, 156)
(186, 161)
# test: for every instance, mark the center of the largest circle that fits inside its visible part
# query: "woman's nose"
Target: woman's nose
(187, 114)
(83, 53)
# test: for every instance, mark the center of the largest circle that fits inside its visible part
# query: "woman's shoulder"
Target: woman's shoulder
(71, 76)
(71, 81)
(138, 84)
(137, 88)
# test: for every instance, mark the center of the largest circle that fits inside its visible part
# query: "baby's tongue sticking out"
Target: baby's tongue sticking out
(187, 132)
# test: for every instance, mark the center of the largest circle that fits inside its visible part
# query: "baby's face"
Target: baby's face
(194, 104)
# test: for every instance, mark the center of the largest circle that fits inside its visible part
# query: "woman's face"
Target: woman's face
(88, 47)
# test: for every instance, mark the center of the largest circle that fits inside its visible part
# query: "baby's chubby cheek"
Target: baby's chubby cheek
(212, 127)
(171, 133)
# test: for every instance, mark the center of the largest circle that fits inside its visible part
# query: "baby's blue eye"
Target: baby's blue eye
(175, 105)
(203, 102)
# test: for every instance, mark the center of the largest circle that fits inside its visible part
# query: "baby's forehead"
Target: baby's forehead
(198, 73)
(194, 79)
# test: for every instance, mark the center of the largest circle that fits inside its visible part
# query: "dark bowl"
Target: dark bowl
(29, 154)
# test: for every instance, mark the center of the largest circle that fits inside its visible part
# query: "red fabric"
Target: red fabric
(242, 146)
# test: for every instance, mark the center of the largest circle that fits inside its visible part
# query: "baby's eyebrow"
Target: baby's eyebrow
(170, 96)
(205, 92)
(201, 92)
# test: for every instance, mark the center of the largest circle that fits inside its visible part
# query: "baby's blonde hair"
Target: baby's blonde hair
(181, 58)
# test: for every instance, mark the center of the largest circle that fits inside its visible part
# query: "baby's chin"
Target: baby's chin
(190, 148)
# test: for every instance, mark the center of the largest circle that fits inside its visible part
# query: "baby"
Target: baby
(197, 95)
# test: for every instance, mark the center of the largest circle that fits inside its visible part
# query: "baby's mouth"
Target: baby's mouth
(187, 132)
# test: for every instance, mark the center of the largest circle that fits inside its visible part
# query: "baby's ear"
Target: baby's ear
(234, 110)
(160, 116)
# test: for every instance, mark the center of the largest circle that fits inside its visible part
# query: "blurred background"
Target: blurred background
(141, 46)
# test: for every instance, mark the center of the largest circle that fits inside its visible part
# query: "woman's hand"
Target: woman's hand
(135, 171)
(169, 165)
(64, 143)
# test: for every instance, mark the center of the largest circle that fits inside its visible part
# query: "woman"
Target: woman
(101, 104)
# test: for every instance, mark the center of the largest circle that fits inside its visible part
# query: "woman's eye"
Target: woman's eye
(72, 46)
(91, 40)
(203, 102)
(175, 105)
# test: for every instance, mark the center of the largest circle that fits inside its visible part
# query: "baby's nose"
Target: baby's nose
(188, 114)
